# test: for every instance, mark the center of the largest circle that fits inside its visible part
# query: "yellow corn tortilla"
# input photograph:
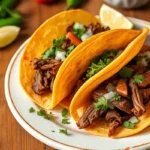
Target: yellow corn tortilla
(83, 98)
(40, 41)
(79, 60)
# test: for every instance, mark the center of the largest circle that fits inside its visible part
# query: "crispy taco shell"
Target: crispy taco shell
(77, 64)
(40, 41)
(82, 98)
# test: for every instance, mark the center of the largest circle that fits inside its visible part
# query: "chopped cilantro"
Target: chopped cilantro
(95, 68)
(101, 104)
(44, 114)
(69, 49)
(98, 63)
(52, 130)
(126, 72)
(49, 116)
(31, 110)
(116, 96)
(128, 124)
(64, 112)
(41, 112)
(49, 53)
(138, 79)
(65, 121)
(63, 131)
(59, 41)
(79, 32)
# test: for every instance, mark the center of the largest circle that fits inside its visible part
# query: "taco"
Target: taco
(115, 102)
(91, 59)
(49, 47)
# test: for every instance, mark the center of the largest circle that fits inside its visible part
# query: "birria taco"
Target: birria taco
(115, 102)
(49, 47)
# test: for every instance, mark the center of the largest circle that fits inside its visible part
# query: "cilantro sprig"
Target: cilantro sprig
(63, 131)
(45, 115)
(98, 63)
(116, 96)
(64, 112)
(65, 121)
(137, 79)
(52, 50)
(101, 104)
(31, 110)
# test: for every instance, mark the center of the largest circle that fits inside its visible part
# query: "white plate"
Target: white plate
(19, 104)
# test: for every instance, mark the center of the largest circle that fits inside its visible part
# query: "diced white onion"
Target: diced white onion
(133, 120)
(110, 87)
(86, 35)
(143, 62)
(109, 95)
(59, 55)
(78, 26)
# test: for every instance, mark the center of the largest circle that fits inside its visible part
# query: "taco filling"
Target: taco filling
(121, 99)
(47, 66)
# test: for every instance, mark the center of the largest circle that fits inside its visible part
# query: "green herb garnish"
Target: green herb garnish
(49, 116)
(116, 97)
(79, 32)
(125, 72)
(63, 131)
(70, 49)
(49, 53)
(31, 110)
(101, 104)
(44, 114)
(138, 79)
(65, 121)
(41, 112)
(52, 130)
(64, 112)
(128, 124)
(98, 63)
(58, 42)
(95, 68)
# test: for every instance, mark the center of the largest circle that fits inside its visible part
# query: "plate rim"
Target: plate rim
(31, 130)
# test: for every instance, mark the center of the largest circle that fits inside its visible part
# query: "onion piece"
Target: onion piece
(133, 120)
(60, 55)
(109, 95)
(110, 87)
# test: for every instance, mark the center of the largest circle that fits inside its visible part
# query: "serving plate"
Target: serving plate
(47, 131)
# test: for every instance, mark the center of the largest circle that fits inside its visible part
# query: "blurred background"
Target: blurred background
(27, 16)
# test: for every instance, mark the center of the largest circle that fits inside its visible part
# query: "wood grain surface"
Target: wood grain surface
(12, 135)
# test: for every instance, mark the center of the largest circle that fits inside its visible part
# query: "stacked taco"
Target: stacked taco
(115, 102)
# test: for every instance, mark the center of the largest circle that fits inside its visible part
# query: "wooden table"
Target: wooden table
(12, 135)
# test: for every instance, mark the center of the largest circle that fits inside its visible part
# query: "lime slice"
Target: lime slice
(8, 34)
(114, 19)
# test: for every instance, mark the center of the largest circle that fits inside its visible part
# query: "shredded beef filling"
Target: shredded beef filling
(97, 28)
(137, 99)
(89, 116)
(123, 104)
(114, 119)
(46, 70)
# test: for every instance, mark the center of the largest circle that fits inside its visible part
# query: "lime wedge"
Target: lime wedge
(8, 34)
(114, 19)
